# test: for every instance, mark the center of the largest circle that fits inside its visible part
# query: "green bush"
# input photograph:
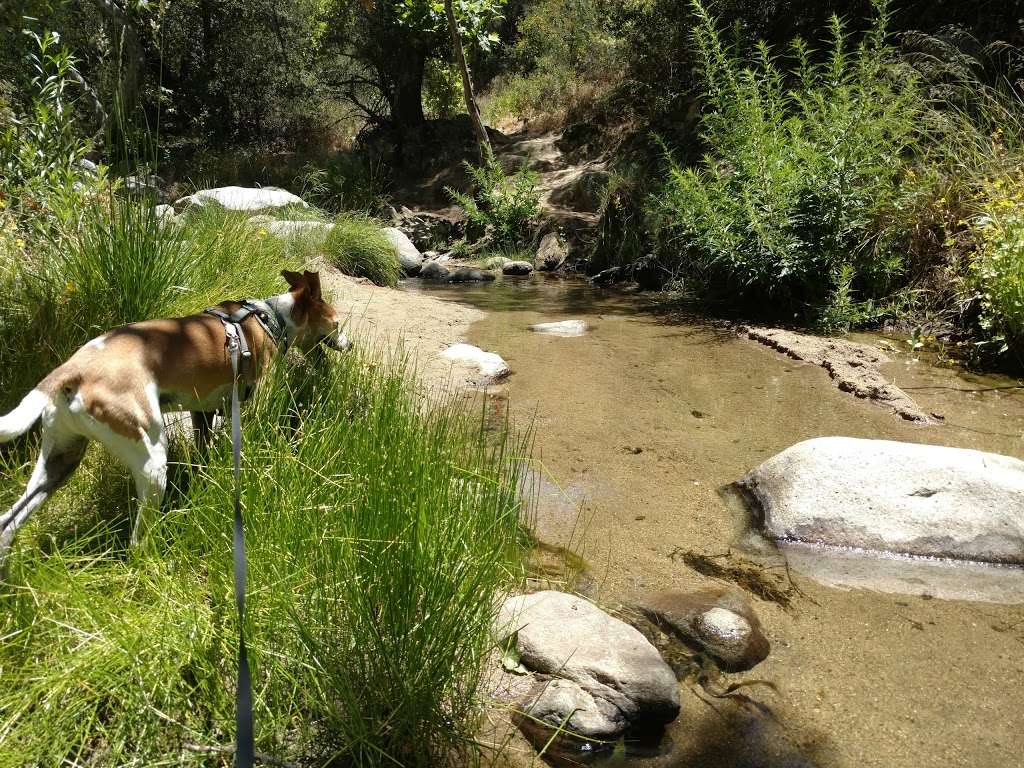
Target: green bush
(348, 181)
(997, 269)
(380, 535)
(503, 207)
(41, 177)
(354, 245)
(802, 181)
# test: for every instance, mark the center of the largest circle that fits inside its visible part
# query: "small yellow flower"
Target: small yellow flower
(70, 287)
(19, 243)
(262, 233)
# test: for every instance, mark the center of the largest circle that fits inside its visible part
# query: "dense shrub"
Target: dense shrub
(997, 269)
(500, 206)
(802, 181)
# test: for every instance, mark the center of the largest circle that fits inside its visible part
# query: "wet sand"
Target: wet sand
(645, 419)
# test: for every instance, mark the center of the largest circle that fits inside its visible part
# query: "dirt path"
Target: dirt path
(389, 319)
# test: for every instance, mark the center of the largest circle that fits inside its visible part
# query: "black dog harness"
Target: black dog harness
(268, 317)
(238, 349)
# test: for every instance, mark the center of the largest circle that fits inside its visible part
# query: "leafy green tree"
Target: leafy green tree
(385, 45)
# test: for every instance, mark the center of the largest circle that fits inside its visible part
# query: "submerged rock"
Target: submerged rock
(408, 254)
(891, 496)
(853, 367)
(242, 198)
(469, 275)
(719, 622)
(432, 270)
(488, 364)
(517, 268)
(611, 678)
(561, 328)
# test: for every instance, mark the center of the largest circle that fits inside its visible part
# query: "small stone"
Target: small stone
(469, 275)
(719, 622)
(489, 364)
(433, 270)
(612, 676)
(517, 268)
(561, 328)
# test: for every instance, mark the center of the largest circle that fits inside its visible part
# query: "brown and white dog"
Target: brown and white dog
(113, 388)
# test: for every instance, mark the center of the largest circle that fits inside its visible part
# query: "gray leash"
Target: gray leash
(244, 743)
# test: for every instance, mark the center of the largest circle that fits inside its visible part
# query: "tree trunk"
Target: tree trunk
(407, 98)
(467, 85)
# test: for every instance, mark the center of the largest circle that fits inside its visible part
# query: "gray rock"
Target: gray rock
(517, 268)
(583, 191)
(899, 497)
(147, 186)
(552, 253)
(719, 622)
(488, 365)
(297, 228)
(591, 717)
(432, 270)
(165, 214)
(469, 275)
(242, 198)
(425, 229)
(408, 254)
(625, 681)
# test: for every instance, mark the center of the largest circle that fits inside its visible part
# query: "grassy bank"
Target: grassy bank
(380, 532)
(378, 538)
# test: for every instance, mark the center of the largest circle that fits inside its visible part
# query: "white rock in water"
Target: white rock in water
(294, 228)
(409, 255)
(899, 497)
(488, 363)
(246, 198)
(561, 328)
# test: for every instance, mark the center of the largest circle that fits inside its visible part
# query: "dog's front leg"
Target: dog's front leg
(202, 426)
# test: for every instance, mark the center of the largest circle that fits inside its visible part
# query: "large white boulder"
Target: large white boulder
(609, 678)
(899, 497)
(409, 255)
(243, 198)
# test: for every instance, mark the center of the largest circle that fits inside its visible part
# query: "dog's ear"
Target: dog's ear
(313, 281)
(295, 279)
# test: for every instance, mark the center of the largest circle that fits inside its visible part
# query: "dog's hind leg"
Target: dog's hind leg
(59, 457)
(146, 458)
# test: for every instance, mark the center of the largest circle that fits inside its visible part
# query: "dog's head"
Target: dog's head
(315, 321)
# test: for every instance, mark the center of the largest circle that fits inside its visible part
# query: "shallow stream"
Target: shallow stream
(644, 422)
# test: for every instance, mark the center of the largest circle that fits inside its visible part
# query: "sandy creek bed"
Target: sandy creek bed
(645, 418)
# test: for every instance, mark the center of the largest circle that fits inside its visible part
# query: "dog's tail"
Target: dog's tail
(20, 420)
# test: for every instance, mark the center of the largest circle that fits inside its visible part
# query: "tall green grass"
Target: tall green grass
(379, 538)
(381, 532)
(117, 263)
